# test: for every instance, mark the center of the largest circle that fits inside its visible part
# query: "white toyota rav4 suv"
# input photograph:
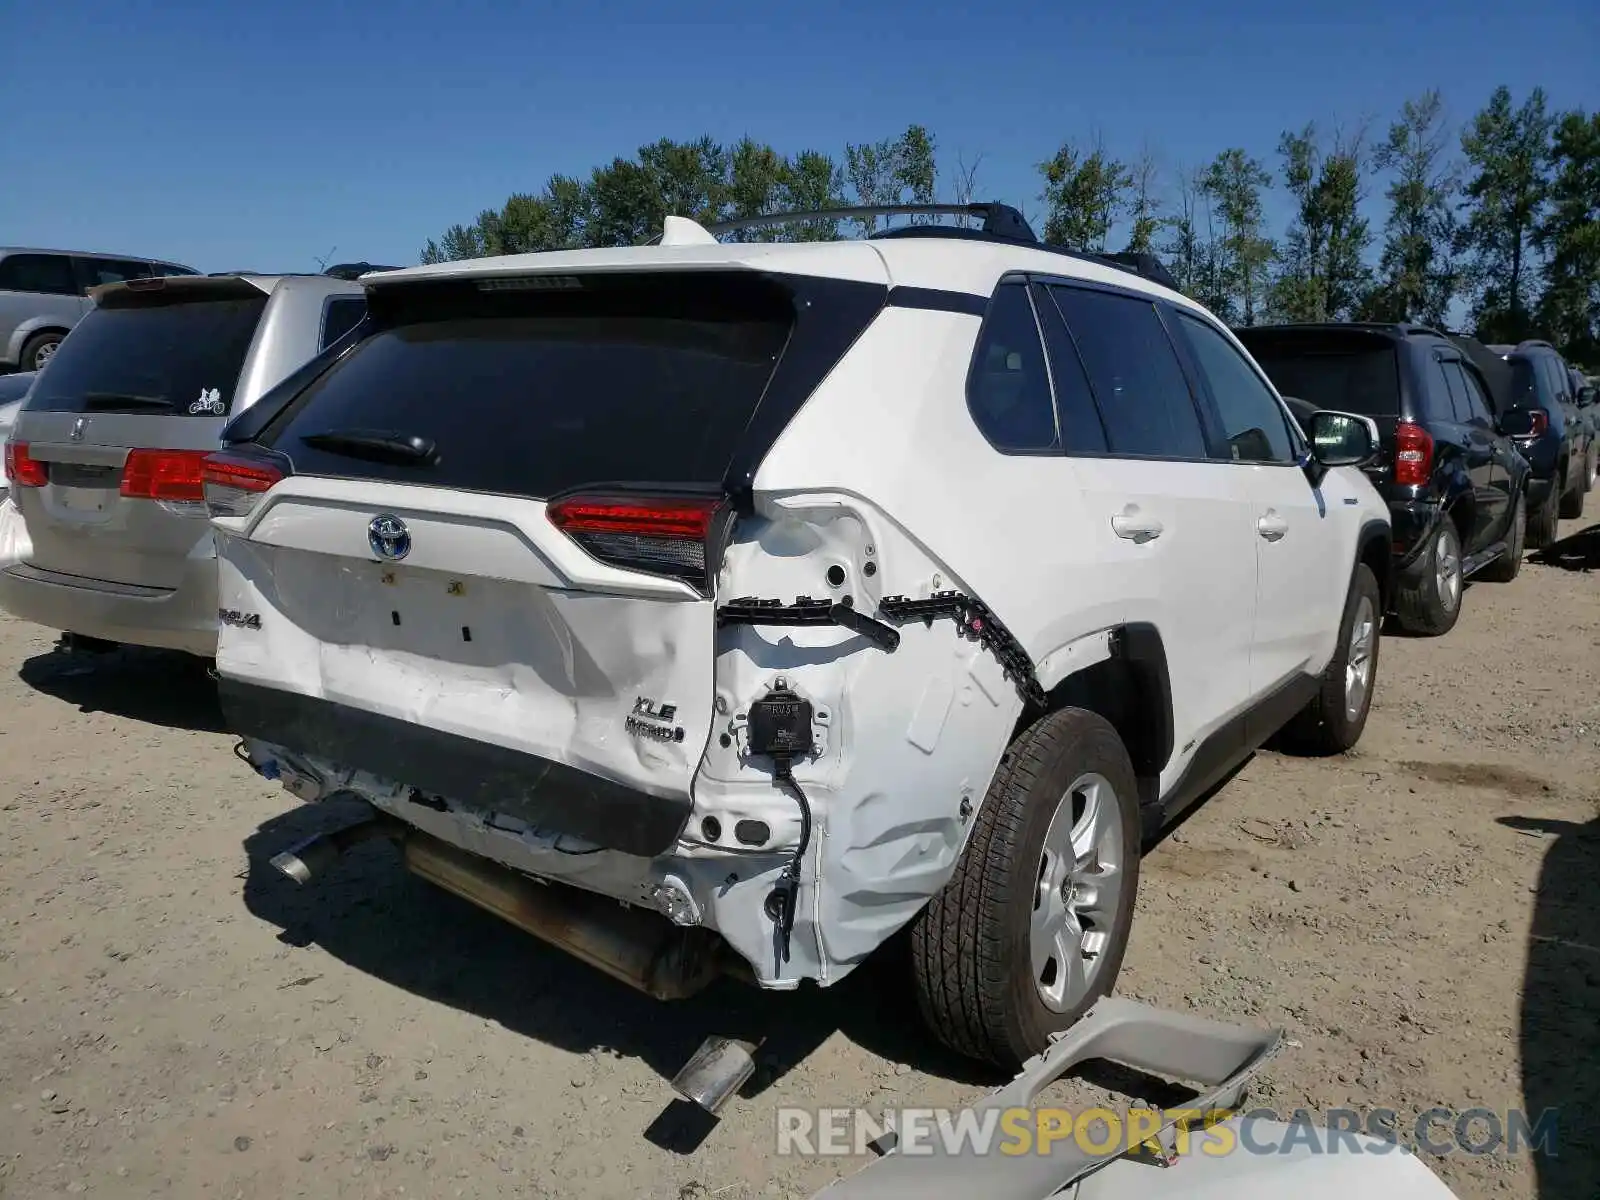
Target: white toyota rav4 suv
(793, 594)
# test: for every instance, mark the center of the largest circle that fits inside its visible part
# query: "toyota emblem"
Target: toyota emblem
(388, 536)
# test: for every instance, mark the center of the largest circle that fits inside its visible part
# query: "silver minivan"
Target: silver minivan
(109, 538)
(44, 293)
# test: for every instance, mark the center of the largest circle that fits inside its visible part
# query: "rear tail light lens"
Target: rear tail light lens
(163, 475)
(1413, 454)
(663, 535)
(22, 469)
(234, 482)
(1538, 422)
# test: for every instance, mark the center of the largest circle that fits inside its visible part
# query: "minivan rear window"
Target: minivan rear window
(167, 356)
(532, 388)
(1354, 375)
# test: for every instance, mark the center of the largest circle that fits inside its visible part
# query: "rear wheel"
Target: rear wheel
(1542, 524)
(1031, 929)
(1572, 502)
(1336, 716)
(39, 349)
(1429, 595)
(1506, 568)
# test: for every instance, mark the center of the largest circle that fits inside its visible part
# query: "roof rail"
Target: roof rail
(1526, 342)
(999, 220)
(354, 270)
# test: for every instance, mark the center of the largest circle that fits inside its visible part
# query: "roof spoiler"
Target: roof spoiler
(999, 222)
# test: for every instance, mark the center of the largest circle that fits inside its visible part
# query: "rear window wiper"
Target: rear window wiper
(377, 445)
(92, 400)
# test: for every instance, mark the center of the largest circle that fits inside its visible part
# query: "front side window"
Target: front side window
(1138, 384)
(113, 270)
(50, 274)
(1008, 392)
(1252, 420)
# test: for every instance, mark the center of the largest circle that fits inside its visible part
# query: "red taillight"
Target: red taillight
(1413, 454)
(1538, 422)
(663, 535)
(22, 469)
(235, 483)
(163, 475)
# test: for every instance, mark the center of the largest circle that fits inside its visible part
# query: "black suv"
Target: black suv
(1454, 482)
(1553, 435)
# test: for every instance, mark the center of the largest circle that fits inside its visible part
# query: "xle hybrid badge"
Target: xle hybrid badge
(388, 536)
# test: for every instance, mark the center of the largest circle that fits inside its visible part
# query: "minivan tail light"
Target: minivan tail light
(163, 475)
(663, 535)
(234, 483)
(1538, 422)
(22, 469)
(1413, 454)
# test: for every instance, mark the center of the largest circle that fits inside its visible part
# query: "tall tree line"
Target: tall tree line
(1501, 216)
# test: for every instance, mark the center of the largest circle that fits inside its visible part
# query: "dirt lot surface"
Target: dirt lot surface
(177, 1021)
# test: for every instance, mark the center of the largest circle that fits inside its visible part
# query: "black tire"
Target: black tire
(1509, 565)
(1542, 523)
(45, 343)
(1572, 502)
(1422, 601)
(970, 948)
(1326, 725)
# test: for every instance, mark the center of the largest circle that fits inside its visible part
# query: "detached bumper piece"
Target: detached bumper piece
(748, 610)
(1221, 1058)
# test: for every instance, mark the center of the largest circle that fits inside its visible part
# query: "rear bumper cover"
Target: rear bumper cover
(182, 618)
(1412, 523)
(479, 774)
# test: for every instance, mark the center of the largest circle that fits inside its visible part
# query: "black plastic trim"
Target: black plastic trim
(939, 300)
(1139, 644)
(470, 772)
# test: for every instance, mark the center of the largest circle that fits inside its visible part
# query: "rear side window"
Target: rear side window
(1354, 375)
(1138, 384)
(1460, 408)
(535, 390)
(165, 356)
(113, 270)
(342, 314)
(50, 274)
(1530, 388)
(1008, 392)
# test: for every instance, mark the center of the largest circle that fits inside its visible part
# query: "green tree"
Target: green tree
(1143, 206)
(899, 170)
(1233, 183)
(1322, 260)
(1508, 151)
(1569, 236)
(1084, 193)
(1416, 273)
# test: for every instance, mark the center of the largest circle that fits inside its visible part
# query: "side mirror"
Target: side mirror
(1522, 422)
(1341, 439)
(1586, 397)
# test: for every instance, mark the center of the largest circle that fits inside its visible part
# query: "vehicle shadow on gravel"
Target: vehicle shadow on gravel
(158, 687)
(369, 912)
(1576, 552)
(1560, 1034)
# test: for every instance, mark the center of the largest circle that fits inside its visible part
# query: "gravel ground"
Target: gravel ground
(176, 1021)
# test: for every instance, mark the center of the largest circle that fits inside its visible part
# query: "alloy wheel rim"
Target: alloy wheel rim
(44, 354)
(1447, 567)
(1078, 893)
(1358, 658)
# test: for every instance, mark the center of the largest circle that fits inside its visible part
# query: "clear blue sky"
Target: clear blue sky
(262, 135)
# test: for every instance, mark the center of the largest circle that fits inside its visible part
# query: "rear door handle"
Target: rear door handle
(1138, 528)
(1272, 527)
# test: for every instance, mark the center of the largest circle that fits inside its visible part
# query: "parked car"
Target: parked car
(790, 595)
(1455, 484)
(44, 293)
(1554, 438)
(104, 462)
(1587, 400)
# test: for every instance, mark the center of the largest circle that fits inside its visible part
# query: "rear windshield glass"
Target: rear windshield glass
(162, 358)
(1353, 377)
(1529, 388)
(533, 391)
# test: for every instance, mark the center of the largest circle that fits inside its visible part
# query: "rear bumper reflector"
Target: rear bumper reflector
(546, 794)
